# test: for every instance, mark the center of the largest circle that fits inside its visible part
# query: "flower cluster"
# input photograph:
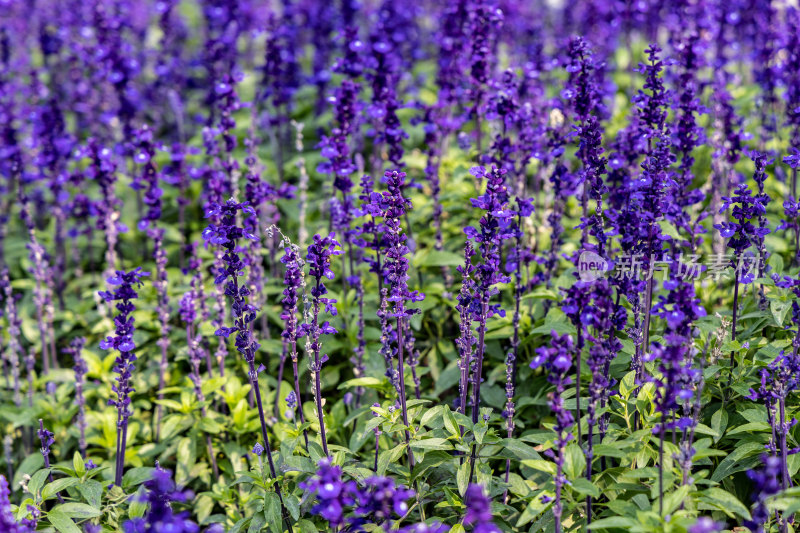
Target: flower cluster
(319, 260)
(479, 511)
(742, 233)
(7, 521)
(125, 284)
(765, 484)
(393, 207)
(145, 153)
(294, 284)
(494, 228)
(332, 493)
(161, 494)
(378, 501)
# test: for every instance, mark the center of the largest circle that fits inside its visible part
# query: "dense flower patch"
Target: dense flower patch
(466, 266)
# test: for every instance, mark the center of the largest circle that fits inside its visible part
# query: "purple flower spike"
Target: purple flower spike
(556, 360)
(125, 284)
(161, 496)
(479, 510)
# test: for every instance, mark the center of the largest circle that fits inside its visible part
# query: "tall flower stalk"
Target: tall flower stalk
(160, 283)
(677, 378)
(556, 360)
(47, 440)
(294, 288)
(741, 235)
(124, 293)
(13, 323)
(466, 338)
(188, 312)
(80, 368)
(394, 206)
(600, 319)
(227, 234)
(319, 260)
(494, 228)
(42, 295)
(514, 263)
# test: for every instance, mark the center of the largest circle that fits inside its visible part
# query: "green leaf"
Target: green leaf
(779, 310)
(725, 501)
(389, 456)
(62, 522)
(368, 382)
(575, 461)
(541, 294)
(77, 464)
(240, 525)
(750, 428)
(462, 477)
(50, 490)
(307, 526)
(29, 465)
(430, 415)
(92, 492)
(541, 465)
(272, 511)
(293, 506)
(674, 499)
(627, 384)
(187, 455)
(37, 481)
(728, 465)
(535, 507)
(450, 423)
(608, 450)
(585, 487)
(437, 258)
(257, 523)
(520, 449)
(209, 425)
(431, 444)
(137, 476)
(614, 522)
(719, 422)
(78, 510)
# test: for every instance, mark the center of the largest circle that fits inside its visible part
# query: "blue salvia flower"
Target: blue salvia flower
(160, 517)
(761, 161)
(466, 338)
(42, 294)
(333, 494)
(778, 380)
(226, 234)
(765, 484)
(741, 232)
(705, 524)
(294, 284)
(149, 180)
(8, 522)
(479, 510)
(495, 226)
(677, 379)
(380, 501)
(556, 360)
(124, 293)
(319, 260)
(393, 207)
